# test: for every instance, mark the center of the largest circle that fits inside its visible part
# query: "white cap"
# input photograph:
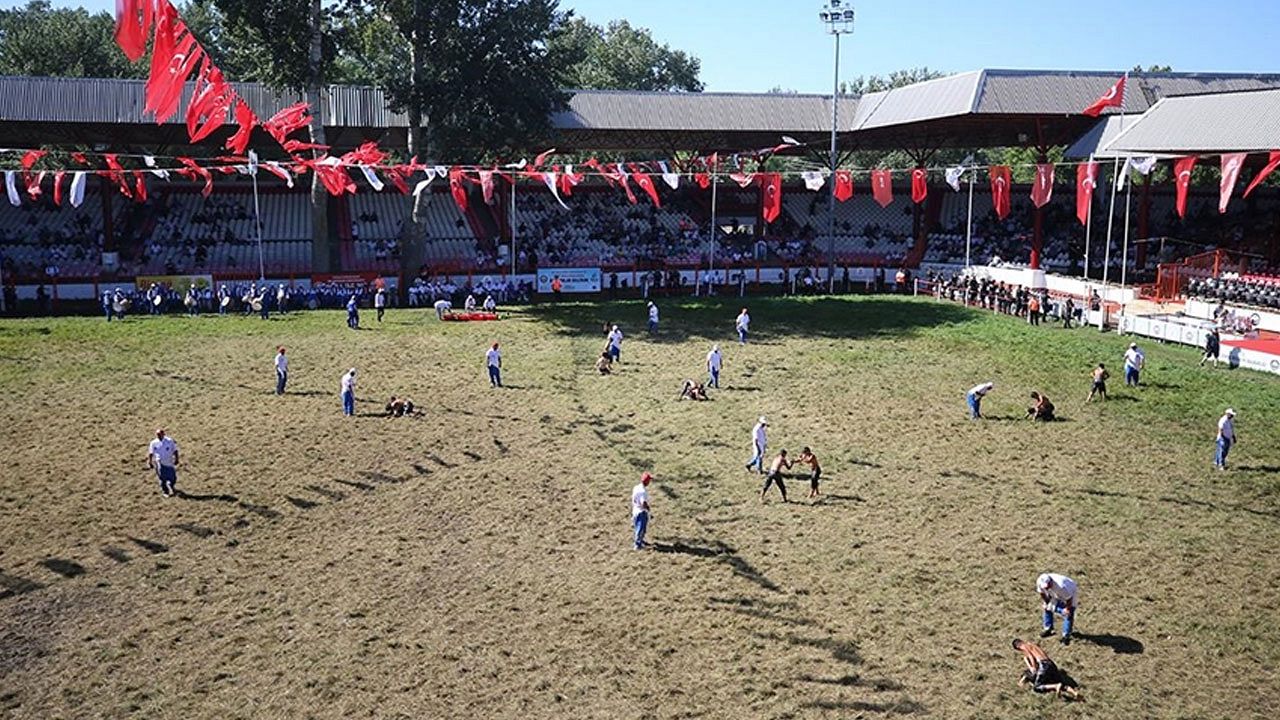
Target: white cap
(1231, 412)
(1042, 582)
(352, 371)
(1133, 345)
(763, 421)
(615, 327)
(715, 348)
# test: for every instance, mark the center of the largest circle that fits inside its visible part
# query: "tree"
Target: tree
(864, 84)
(622, 57)
(1153, 69)
(38, 40)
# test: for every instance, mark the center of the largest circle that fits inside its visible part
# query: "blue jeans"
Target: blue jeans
(640, 523)
(1068, 616)
(757, 460)
(107, 309)
(168, 476)
(1130, 375)
(615, 352)
(975, 405)
(715, 378)
(1224, 447)
(348, 403)
(653, 326)
(742, 335)
(353, 319)
(495, 376)
(282, 377)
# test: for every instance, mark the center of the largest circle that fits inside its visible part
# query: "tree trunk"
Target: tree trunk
(414, 236)
(322, 245)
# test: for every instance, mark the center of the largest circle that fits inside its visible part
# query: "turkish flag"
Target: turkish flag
(1086, 181)
(844, 185)
(457, 189)
(770, 196)
(245, 119)
(133, 22)
(1273, 161)
(646, 184)
(1114, 97)
(1042, 190)
(1231, 165)
(1182, 176)
(1000, 181)
(486, 185)
(919, 185)
(882, 186)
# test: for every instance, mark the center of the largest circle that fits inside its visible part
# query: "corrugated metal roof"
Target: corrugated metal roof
(1094, 142)
(944, 97)
(1224, 122)
(1044, 92)
(734, 112)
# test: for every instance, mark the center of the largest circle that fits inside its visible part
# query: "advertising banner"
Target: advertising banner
(572, 280)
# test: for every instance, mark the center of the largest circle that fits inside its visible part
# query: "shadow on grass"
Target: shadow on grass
(206, 498)
(1121, 644)
(1271, 469)
(1184, 502)
(722, 553)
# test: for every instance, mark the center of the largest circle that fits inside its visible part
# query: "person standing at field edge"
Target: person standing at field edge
(353, 313)
(493, 361)
(1059, 595)
(759, 441)
(974, 398)
(743, 324)
(282, 370)
(640, 510)
(348, 387)
(1134, 362)
(1226, 438)
(714, 362)
(653, 318)
(380, 302)
(614, 348)
(162, 456)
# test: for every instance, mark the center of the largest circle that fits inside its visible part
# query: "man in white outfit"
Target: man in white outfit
(1226, 438)
(282, 370)
(743, 324)
(1059, 595)
(615, 344)
(714, 362)
(758, 444)
(162, 456)
(653, 318)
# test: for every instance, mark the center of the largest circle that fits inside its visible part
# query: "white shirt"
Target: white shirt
(1064, 588)
(639, 499)
(981, 390)
(490, 304)
(493, 358)
(1227, 428)
(615, 339)
(282, 362)
(653, 313)
(380, 300)
(165, 451)
(348, 383)
(470, 303)
(713, 360)
(744, 320)
(758, 435)
(442, 305)
(1134, 358)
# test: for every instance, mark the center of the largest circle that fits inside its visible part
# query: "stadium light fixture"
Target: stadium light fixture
(838, 17)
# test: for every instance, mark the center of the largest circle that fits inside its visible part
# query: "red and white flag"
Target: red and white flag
(1113, 97)
(1182, 176)
(1000, 181)
(1042, 190)
(1231, 165)
(919, 185)
(1273, 161)
(882, 187)
(770, 196)
(1086, 181)
(843, 187)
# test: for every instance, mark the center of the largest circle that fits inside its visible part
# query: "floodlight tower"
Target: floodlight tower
(838, 17)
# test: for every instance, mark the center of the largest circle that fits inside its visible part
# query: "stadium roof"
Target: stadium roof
(983, 108)
(1208, 124)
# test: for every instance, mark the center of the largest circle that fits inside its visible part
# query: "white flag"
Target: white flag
(550, 179)
(441, 171)
(671, 179)
(12, 189)
(813, 180)
(374, 181)
(282, 172)
(77, 188)
(150, 162)
(1143, 165)
(417, 190)
(253, 163)
(953, 177)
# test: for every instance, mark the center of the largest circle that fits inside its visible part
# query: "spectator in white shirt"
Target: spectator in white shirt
(974, 397)
(162, 456)
(442, 307)
(349, 393)
(759, 442)
(653, 318)
(490, 304)
(380, 302)
(615, 344)
(493, 360)
(743, 324)
(282, 370)
(1226, 438)
(714, 362)
(1134, 361)
(640, 510)
(1058, 593)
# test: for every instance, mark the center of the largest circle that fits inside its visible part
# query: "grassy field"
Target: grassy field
(475, 562)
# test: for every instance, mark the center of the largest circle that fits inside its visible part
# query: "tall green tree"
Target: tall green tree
(37, 39)
(622, 57)
(864, 84)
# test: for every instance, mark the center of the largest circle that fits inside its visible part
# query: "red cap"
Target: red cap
(645, 478)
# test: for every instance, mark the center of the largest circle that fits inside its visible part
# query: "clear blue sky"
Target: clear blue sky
(753, 45)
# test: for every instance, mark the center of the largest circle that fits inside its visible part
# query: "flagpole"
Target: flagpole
(968, 225)
(1124, 256)
(711, 255)
(514, 256)
(1111, 216)
(1088, 223)
(257, 218)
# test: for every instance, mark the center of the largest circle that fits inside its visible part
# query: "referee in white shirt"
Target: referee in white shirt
(162, 456)
(282, 370)
(1226, 438)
